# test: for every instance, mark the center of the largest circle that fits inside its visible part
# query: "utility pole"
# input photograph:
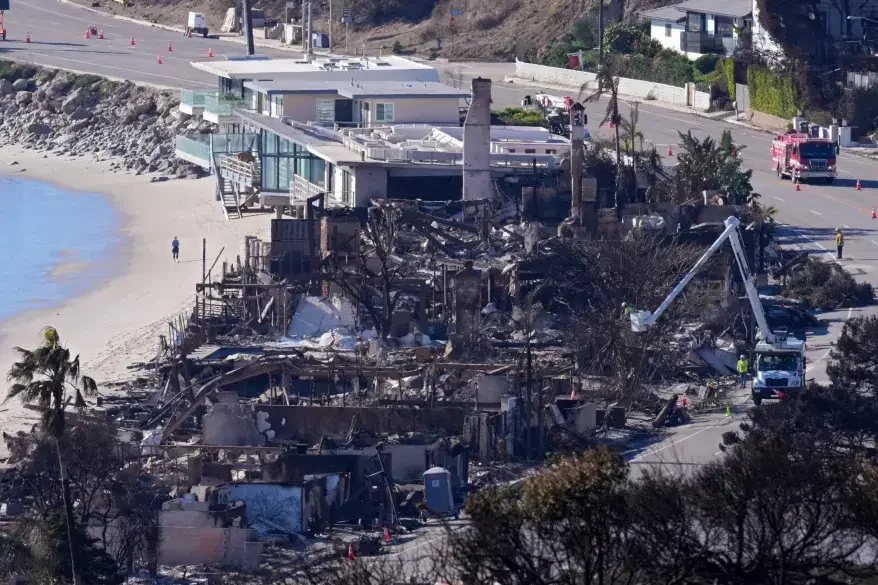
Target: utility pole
(601, 29)
(330, 26)
(248, 28)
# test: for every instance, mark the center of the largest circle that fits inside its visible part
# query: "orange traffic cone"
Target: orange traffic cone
(132, 41)
(798, 188)
(684, 402)
(573, 394)
(386, 534)
(101, 35)
(189, 33)
(87, 34)
(859, 187)
(158, 59)
(210, 52)
(611, 125)
(170, 48)
(351, 555)
(874, 216)
(27, 38)
(670, 152)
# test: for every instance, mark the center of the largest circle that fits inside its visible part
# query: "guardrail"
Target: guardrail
(194, 146)
(214, 104)
(193, 98)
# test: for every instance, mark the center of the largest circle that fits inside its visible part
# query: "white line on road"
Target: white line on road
(874, 242)
(779, 198)
(100, 66)
(846, 226)
(654, 451)
(816, 212)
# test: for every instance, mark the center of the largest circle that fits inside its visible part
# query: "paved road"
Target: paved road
(57, 31)
(810, 216)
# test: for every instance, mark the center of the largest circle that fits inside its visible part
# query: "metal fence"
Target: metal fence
(742, 97)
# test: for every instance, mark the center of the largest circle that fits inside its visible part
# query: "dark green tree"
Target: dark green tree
(48, 376)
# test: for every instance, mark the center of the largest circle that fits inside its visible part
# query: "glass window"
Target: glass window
(667, 30)
(269, 143)
(317, 170)
(283, 173)
(325, 110)
(269, 173)
(384, 112)
(725, 26)
(693, 22)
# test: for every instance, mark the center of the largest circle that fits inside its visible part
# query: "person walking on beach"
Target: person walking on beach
(839, 241)
(175, 249)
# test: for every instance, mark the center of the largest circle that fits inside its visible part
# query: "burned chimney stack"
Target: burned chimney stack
(477, 144)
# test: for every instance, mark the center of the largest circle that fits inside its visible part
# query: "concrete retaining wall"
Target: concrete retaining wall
(637, 88)
(768, 121)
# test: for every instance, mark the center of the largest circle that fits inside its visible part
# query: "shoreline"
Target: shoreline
(117, 318)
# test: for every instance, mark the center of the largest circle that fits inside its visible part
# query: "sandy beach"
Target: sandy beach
(119, 319)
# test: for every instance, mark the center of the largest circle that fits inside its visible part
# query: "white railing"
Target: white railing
(301, 190)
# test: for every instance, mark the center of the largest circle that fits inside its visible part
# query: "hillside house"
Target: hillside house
(698, 27)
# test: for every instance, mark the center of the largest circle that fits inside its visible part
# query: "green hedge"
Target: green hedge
(516, 116)
(729, 67)
(772, 93)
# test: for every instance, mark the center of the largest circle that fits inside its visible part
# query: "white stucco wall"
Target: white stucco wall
(303, 108)
(369, 182)
(658, 32)
(636, 88)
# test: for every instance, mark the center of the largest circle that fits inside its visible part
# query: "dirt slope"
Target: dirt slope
(487, 30)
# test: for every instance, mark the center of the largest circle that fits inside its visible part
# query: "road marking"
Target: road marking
(816, 212)
(779, 198)
(654, 451)
(139, 72)
(846, 226)
(718, 453)
(874, 242)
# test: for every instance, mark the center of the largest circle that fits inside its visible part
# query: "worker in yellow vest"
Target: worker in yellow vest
(839, 241)
(743, 368)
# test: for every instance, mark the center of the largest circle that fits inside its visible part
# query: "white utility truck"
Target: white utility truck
(196, 25)
(780, 361)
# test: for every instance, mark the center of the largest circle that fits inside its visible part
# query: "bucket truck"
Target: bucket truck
(780, 361)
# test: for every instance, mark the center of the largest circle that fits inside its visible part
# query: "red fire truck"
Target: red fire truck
(799, 156)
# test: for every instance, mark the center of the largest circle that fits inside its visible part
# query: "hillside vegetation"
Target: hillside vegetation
(491, 30)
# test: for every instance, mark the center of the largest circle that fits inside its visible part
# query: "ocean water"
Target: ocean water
(54, 244)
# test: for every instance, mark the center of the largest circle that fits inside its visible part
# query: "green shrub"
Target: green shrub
(772, 93)
(706, 63)
(729, 68)
(12, 71)
(556, 54)
(397, 47)
(585, 31)
(516, 116)
(621, 38)
(649, 47)
(826, 286)
(86, 80)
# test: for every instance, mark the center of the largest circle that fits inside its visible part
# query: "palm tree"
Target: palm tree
(48, 377)
(632, 133)
(606, 83)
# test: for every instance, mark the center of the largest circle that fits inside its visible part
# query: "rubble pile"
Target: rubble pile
(60, 113)
(826, 286)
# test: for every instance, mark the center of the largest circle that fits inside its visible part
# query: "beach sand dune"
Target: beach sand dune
(120, 318)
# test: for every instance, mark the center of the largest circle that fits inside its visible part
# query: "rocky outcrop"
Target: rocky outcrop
(131, 126)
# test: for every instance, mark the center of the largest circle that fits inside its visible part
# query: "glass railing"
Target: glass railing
(234, 142)
(195, 145)
(219, 106)
(195, 99)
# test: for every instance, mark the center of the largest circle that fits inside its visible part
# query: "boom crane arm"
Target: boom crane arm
(642, 320)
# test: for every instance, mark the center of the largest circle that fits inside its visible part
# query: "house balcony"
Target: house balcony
(701, 43)
(200, 149)
(192, 102)
(219, 109)
(301, 190)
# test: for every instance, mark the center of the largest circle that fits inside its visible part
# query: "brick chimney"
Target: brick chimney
(477, 144)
